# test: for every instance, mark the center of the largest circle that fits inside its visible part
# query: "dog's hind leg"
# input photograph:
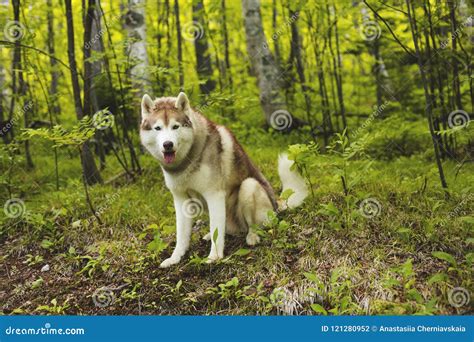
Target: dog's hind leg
(254, 204)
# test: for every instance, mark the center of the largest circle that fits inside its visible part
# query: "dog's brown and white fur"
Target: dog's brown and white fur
(203, 160)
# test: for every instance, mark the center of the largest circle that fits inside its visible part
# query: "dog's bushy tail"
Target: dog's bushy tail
(291, 179)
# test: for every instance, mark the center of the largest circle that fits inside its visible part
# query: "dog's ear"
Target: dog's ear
(147, 105)
(182, 103)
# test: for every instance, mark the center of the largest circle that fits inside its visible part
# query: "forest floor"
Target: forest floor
(405, 256)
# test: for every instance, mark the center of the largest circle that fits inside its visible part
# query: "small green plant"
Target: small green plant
(37, 283)
(303, 157)
(94, 263)
(277, 230)
(54, 308)
(132, 293)
(403, 279)
(225, 290)
(337, 295)
(33, 260)
(196, 261)
(157, 244)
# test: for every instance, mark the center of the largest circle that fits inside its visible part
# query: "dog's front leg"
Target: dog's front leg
(183, 231)
(216, 204)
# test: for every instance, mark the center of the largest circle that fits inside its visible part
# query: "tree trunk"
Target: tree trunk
(456, 84)
(21, 90)
(428, 108)
(203, 58)
(136, 28)
(89, 168)
(263, 65)
(2, 108)
(276, 43)
(340, 94)
(326, 125)
(53, 89)
(92, 70)
(180, 48)
(228, 74)
(444, 144)
(298, 59)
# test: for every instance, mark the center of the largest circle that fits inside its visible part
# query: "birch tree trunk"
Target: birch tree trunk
(263, 65)
(134, 23)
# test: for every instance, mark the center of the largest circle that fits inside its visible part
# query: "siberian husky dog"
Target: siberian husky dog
(202, 161)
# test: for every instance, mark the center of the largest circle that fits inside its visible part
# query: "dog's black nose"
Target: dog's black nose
(168, 145)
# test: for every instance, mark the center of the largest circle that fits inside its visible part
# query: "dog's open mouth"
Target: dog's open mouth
(169, 157)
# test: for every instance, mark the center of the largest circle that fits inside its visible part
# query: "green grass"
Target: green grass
(323, 258)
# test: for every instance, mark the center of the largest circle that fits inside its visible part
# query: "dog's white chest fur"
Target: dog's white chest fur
(198, 180)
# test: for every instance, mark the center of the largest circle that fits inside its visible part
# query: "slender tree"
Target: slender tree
(53, 63)
(179, 43)
(225, 34)
(19, 90)
(135, 25)
(92, 69)
(90, 172)
(338, 69)
(263, 62)
(201, 47)
(2, 108)
(454, 61)
(296, 49)
(428, 107)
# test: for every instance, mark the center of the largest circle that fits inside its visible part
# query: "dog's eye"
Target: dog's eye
(157, 128)
(175, 126)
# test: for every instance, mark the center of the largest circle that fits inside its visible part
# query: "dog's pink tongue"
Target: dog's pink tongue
(169, 157)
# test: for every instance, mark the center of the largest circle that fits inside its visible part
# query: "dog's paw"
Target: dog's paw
(207, 237)
(252, 239)
(169, 262)
(213, 257)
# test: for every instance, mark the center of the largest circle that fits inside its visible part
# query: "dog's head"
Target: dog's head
(167, 129)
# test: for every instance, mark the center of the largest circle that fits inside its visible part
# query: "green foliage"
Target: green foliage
(157, 245)
(60, 136)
